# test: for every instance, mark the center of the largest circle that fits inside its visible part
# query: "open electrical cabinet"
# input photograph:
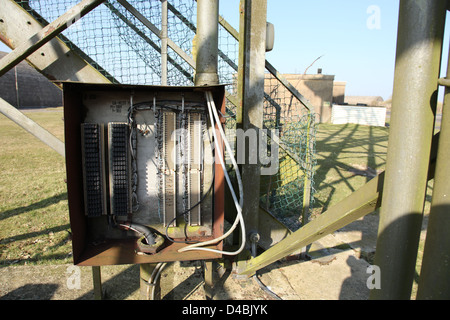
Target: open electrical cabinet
(141, 158)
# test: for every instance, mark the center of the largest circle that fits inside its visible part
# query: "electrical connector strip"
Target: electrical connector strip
(214, 118)
(93, 177)
(119, 168)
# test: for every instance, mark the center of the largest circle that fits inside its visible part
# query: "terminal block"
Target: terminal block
(93, 175)
(119, 169)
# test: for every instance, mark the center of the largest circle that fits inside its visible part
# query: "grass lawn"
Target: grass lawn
(348, 156)
(34, 219)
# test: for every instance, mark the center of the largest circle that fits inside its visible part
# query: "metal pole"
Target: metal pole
(419, 45)
(97, 281)
(17, 87)
(206, 65)
(207, 42)
(164, 35)
(209, 280)
(249, 114)
(307, 173)
(434, 280)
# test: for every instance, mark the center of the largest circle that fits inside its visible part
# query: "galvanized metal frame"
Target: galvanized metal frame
(358, 204)
(55, 60)
(46, 34)
(17, 27)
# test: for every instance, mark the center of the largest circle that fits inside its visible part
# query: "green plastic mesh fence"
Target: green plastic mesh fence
(125, 50)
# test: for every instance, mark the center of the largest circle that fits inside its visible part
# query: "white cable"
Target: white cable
(238, 204)
(239, 217)
(229, 151)
(153, 280)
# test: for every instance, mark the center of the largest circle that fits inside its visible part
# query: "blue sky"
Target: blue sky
(356, 39)
(358, 44)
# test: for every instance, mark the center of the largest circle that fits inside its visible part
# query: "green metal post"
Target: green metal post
(307, 174)
(249, 116)
(434, 280)
(97, 281)
(358, 204)
(419, 46)
(209, 280)
(361, 202)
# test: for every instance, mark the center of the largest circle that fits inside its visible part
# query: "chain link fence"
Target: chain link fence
(125, 50)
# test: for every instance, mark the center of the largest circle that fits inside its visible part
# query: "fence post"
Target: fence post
(419, 45)
(435, 274)
(249, 115)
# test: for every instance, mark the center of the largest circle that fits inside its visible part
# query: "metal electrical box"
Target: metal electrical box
(141, 158)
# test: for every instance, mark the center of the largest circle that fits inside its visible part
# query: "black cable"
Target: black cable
(138, 228)
(260, 283)
(267, 290)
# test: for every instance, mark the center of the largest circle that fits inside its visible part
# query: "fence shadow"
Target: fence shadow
(346, 151)
(34, 206)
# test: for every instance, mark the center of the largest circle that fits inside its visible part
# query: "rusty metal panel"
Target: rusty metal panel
(96, 240)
